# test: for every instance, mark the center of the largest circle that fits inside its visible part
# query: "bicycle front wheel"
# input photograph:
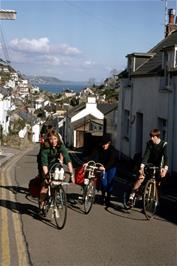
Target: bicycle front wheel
(88, 197)
(60, 207)
(150, 199)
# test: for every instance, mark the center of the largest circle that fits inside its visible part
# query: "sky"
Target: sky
(79, 40)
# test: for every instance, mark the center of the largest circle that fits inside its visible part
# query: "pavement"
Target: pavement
(6, 153)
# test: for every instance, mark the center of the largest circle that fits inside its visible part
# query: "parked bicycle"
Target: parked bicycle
(148, 192)
(91, 176)
(56, 200)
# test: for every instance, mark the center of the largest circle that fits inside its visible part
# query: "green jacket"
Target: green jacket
(47, 155)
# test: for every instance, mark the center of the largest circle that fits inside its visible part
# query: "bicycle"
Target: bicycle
(147, 193)
(56, 200)
(89, 187)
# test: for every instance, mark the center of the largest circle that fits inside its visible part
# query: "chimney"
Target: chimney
(171, 14)
(170, 27)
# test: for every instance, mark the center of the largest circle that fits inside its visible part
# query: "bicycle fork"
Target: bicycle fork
(152, 191)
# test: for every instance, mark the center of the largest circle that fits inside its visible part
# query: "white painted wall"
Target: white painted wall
(22, 132)
(153, 101)
(35, 133)
(5, 104)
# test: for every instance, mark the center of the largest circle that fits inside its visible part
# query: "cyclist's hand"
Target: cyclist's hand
(85, 166)
(46, 179)
(163, 172)
(102, 168)
(60, 161)
(72, 178)
(141, 171)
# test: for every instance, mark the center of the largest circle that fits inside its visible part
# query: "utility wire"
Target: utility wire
(4, 46)
(84, 11)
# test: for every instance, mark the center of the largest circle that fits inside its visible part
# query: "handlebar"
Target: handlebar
(151, 166)
(151, 169)
(92, 165)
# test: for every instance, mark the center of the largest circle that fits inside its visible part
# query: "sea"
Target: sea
(59, 88)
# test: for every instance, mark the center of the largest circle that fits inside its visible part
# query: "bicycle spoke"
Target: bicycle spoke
(89, 196)
(60, 207)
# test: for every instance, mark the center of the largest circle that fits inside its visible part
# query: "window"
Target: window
(126, 123)
(162, 125)
(175, 57)
(115, 116)
(169, 63)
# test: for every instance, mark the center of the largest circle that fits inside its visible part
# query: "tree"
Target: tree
(91, 82)
(114, 72)
(74, 101)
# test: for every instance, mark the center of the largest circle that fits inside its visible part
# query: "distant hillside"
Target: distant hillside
(44, 80)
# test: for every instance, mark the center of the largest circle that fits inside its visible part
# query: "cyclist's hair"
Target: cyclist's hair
(54, 133)
(155, 132)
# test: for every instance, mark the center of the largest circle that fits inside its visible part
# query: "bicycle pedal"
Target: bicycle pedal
(139, 197)
(80, 200)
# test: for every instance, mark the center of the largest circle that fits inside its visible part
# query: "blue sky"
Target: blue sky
(79, 40)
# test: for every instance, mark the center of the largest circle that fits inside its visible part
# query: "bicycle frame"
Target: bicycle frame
(89, 185)
(56, 198)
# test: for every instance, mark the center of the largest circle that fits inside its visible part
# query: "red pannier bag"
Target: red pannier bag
(34, 186)
(79, 175)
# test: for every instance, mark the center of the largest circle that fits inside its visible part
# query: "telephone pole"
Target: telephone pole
(165, 15)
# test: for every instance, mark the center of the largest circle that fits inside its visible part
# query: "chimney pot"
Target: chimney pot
(171, 13)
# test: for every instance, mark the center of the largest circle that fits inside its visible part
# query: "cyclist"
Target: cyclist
(108, 156)
(156, 154)
(52, 150)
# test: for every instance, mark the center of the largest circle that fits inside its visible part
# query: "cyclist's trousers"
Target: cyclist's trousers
(106, 181)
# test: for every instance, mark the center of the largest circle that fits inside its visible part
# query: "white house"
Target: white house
(80, 113)
(91, 108)
(40, 103)
(148, 97)
(5, 105)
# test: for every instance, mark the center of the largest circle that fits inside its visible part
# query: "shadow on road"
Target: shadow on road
(167, 211)
(16, 189)
(24, 208)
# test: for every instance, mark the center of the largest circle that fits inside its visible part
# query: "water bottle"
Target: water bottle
(57, 174)
(86, 181)
(61, 174)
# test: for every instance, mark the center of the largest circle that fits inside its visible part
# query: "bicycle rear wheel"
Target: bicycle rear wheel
(60, 207)
(150, 199)
(88, 196)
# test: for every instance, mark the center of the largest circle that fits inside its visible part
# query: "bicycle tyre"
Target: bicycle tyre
(60, 207)
(150, 199)
(88, 197)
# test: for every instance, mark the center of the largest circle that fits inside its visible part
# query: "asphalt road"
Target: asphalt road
(105, 237)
